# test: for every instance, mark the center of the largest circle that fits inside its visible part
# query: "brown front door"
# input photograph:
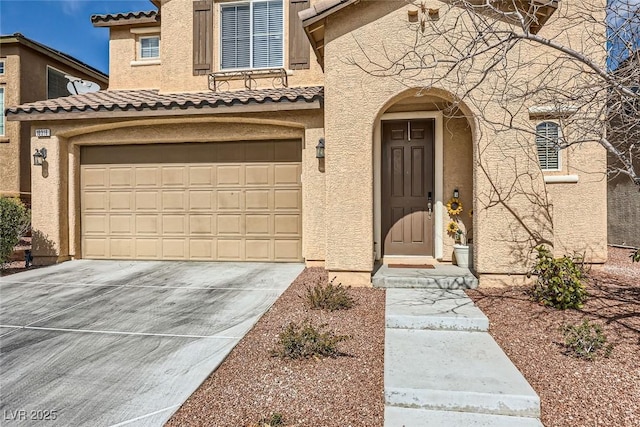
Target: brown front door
(407, 187)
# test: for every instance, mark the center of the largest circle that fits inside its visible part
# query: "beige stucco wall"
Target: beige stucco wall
(175, 73)
(25, 80)
(513, 207)
(56, 187)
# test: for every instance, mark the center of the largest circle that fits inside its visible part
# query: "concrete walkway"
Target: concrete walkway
(442, 368)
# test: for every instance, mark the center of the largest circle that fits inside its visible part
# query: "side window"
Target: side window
(548, 145)
(149, 47)
(252, 35)
(56, 84)
(1, 111)
(1, 68)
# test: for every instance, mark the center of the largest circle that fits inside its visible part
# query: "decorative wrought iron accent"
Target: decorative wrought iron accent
(279, 78)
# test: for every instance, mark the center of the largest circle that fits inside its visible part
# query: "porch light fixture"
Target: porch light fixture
(456, 193)
(39, 156)
(320, 149)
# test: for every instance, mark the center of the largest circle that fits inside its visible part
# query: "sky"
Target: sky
(65, 25)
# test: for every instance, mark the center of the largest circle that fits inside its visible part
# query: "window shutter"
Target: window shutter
(202, 37)
(298, 43)
(547, 135)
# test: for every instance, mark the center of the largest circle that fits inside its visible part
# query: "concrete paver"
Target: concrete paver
(395, 416)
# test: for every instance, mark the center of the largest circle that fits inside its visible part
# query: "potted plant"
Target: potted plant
(460, 247)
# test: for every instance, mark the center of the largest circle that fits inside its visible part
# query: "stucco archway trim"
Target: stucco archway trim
(439, 177)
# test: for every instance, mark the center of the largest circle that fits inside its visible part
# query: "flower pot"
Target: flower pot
(462, 255)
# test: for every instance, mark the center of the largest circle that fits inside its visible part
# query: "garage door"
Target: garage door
(232, 201)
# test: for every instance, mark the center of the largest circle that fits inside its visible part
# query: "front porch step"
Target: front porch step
(395, 416)
(439, 309)
(443, 276)
(454, 371)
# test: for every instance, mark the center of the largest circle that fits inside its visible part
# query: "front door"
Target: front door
(407, 187)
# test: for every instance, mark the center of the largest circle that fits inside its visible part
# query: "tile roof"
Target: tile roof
(323, 6)
(112, 18)
(149, 100)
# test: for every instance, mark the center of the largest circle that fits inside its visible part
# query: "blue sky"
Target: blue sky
(65, 25)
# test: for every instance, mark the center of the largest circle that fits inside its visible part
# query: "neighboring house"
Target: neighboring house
(204, 148)
(30, 71)
(623, 196)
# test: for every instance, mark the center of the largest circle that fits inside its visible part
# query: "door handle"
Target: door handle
(429, 204)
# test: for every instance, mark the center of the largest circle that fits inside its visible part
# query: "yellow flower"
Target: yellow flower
(452, 227)
(454, 206)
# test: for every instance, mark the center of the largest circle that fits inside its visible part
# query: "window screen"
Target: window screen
(1, 111)
(149, 47)
(252, 35)
(547, 142)
(1, 68)
(56, 84)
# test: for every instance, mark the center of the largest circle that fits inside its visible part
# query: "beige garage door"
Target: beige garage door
(232, 201)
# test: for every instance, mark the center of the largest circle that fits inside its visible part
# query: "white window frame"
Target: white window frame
(250, 2)
(2, 71)
(3, 132)
(149, 58)
(559, 151)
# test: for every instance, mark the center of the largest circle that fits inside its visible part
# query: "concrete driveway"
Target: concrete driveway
(109, 343)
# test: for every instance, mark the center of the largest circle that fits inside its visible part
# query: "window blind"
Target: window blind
(547, 140)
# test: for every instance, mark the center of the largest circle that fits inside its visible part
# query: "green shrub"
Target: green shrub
(635, 255)
(329, 297)
(586, 340)
(306, 340)
(275, 420)
(14, 223)
(559, 281)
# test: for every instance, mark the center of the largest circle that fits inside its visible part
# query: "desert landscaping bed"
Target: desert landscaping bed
(576, 392)
(251, 384)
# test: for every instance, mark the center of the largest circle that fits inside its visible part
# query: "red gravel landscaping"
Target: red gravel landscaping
(344, 391)
(576, 392)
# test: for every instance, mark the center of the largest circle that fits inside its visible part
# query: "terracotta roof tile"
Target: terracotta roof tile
(140, 100)
(124, 16)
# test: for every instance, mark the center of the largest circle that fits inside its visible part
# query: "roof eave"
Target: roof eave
(143, 20)
(105, 113)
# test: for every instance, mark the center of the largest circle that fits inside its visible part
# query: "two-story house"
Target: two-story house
(244, 131)
(31, 71)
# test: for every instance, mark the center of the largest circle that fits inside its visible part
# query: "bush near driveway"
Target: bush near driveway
(15, 220)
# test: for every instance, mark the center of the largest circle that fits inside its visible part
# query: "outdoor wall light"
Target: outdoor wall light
(456, 193)
(39, 156)
(320, 149)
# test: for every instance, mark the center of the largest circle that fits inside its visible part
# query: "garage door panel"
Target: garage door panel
(147, 200)
(229, 175)
(201, 200)
(148, 176)
(287, 174)
(121, 225)
(122, 201)
(229, 249)
(201, 176)
(147, 225)
(230, 224)
(121, 248)
(201, 225)
(148, 248)
(258, 225)
(95, 178)
(174, 249)
(290, 199)
(229, 201)
(287, 250)
(173, 201)
(121, 177)
(95, 201)
(174, 176)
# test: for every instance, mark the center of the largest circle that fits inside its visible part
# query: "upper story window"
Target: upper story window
(56, 84)
(252, 35)
(1, 68)
(548, 145)
(150, 47)
(1, 111)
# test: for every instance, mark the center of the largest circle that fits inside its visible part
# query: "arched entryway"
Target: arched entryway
(423, 153)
